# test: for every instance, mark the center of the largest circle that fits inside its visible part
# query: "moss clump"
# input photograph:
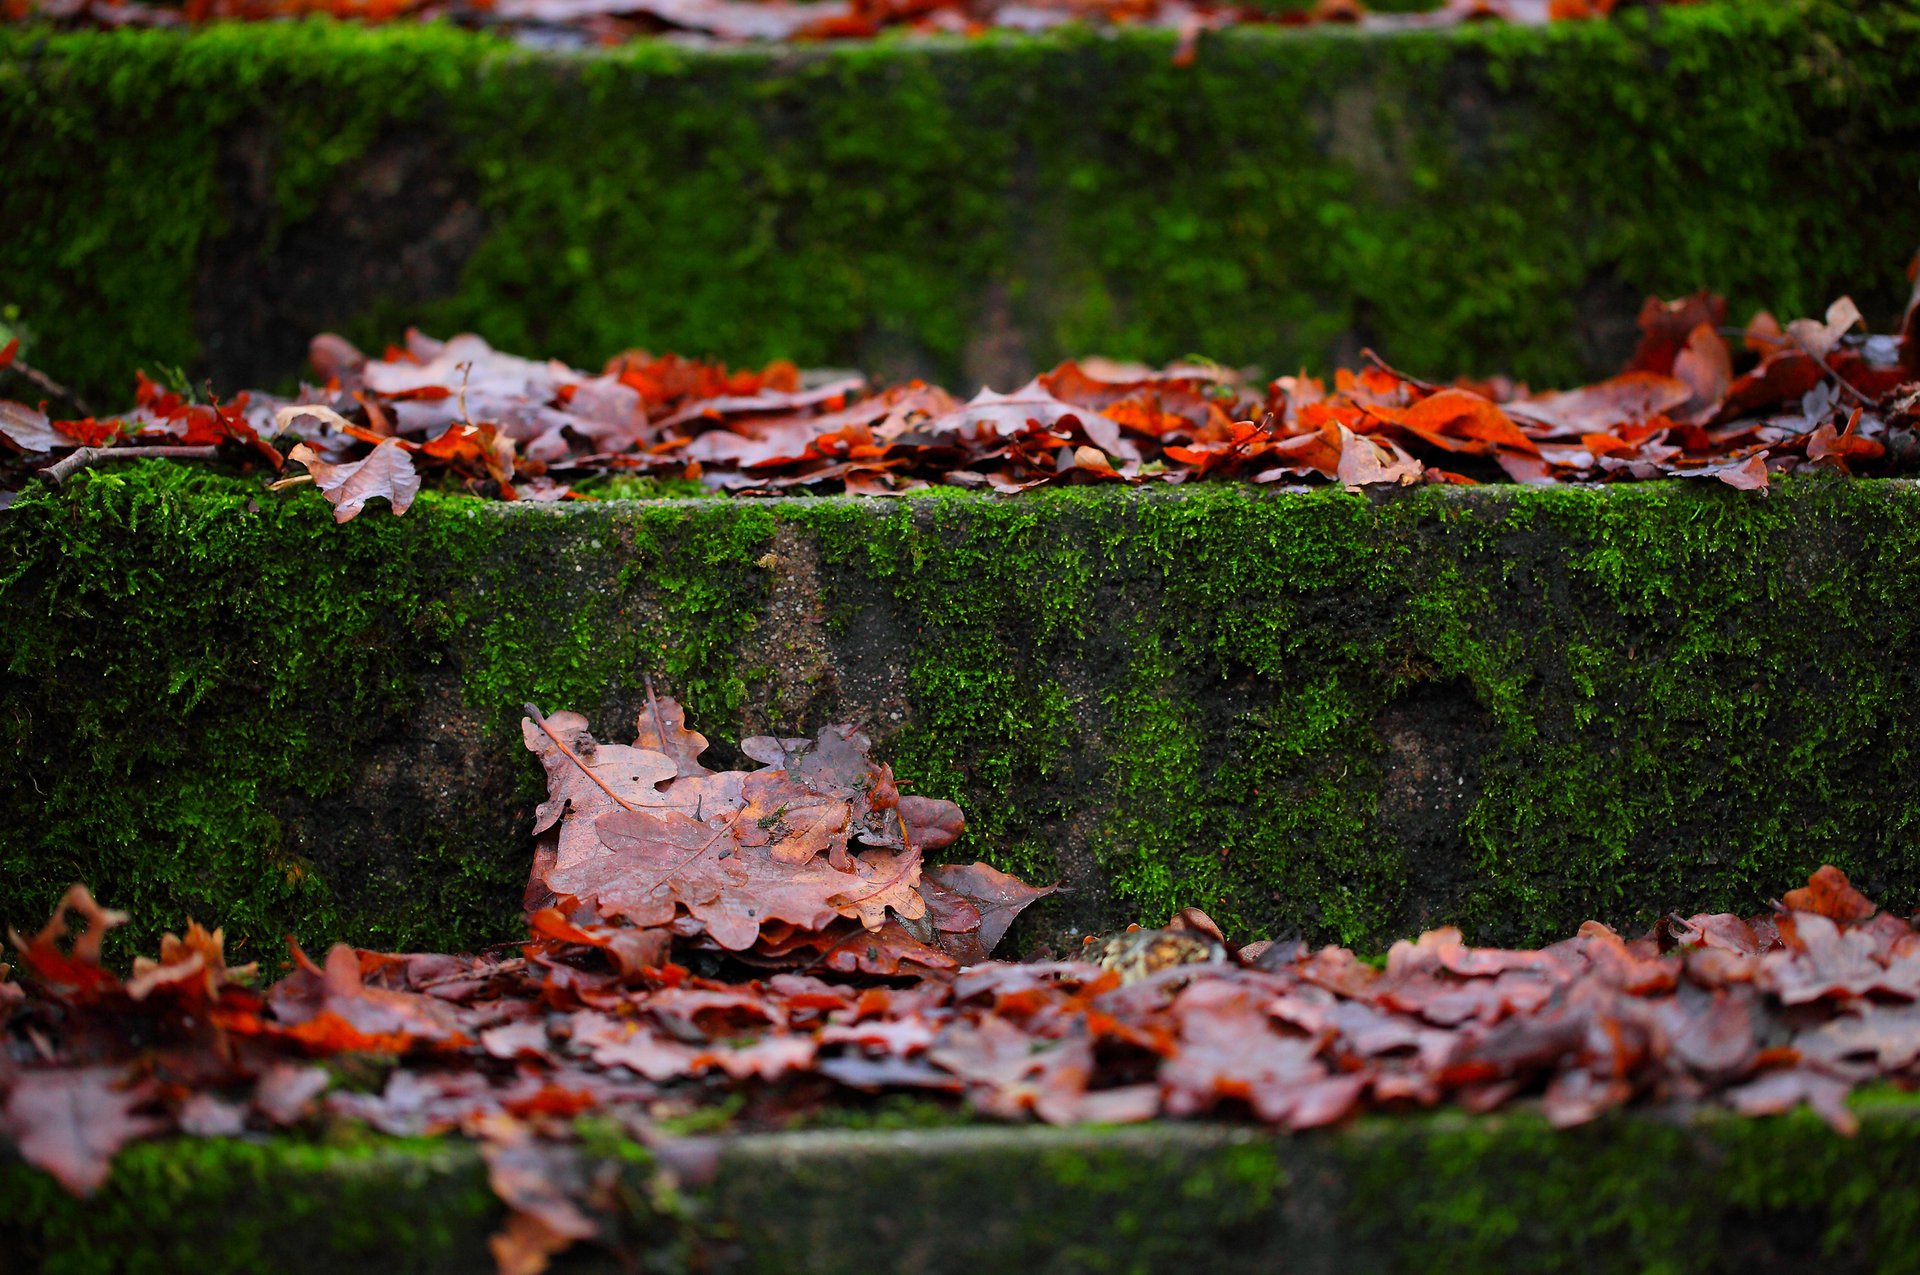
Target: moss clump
(1679, 1197)
(236, 1206)
(1638, 699)
(1461, 200)
(222, 704)
(1662, 1192)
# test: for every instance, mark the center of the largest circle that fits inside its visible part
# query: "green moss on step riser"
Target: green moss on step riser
(1346, 716)
(1464, 201)
(1647, 1193)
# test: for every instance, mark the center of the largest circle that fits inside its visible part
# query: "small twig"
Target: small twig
(653, 706)
(1390, 370)
(466, 371)
(84, 457)
(540, 720)
(1841, 381)
(50, 385)
(833, 947)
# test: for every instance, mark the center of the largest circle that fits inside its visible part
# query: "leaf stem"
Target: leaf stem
(540, 720)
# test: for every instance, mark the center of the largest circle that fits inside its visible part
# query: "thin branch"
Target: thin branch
(50, 385)
(858, 931)
(653, 706)
(1841, 381)
(466, 372)
(85, 457)
(540, 720)
(1390, 370)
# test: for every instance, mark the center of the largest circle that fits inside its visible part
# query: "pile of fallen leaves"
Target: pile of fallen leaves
(549, 22)
(835, 961)
(1812, 394)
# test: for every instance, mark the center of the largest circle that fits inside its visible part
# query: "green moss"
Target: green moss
(1676, 698)
(1661, 1191)
(1347, 717)
(205, 681)
(234, 1206)
(1634, 1194)
(1462, 200)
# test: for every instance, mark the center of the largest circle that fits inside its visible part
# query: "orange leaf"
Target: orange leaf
(1458, 414)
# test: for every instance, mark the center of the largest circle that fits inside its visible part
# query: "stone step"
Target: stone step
(1686, 1194)
(1345, 716)
(1466, 201)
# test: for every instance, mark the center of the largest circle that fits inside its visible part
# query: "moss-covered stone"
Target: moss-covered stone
(1347, 716)
(1465, 200)
(1659, 1192)
(236, 1207)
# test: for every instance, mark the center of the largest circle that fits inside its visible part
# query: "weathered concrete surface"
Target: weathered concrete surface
(1668, 1192)
(1338, 715)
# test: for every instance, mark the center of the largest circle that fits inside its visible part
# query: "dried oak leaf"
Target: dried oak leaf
(1459, 420)
(663, 729)
(1821, 960)
(795, 823)
(75, 974)
(885, 881)
(30, 430)
(1819, 338)
(285, 1092)
(1010, 1073)
(1713, 1033)
(545, 1186)
(331, 1010)
(1829, 893)
(653, 863)
(385, 471)
(71, 1121)
(1717, 930)
(1879, 1039)
(626, 1042)
(1666, 326)
(851, 948)
(586, 780)
(1228, 1049)
(1777, 1092)
(197, 962)
(1627, 399)
(997, 897)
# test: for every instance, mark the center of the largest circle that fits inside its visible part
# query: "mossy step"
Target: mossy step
(1349, 716)
(1465, 201)
(1637, 1193)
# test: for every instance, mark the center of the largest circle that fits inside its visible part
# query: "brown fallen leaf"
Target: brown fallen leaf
(1830, 894)
(71, 1121)
(386, 471)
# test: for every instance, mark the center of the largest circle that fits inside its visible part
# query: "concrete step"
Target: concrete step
(1651, 1191)
(1468, 201)
(1345, 716)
